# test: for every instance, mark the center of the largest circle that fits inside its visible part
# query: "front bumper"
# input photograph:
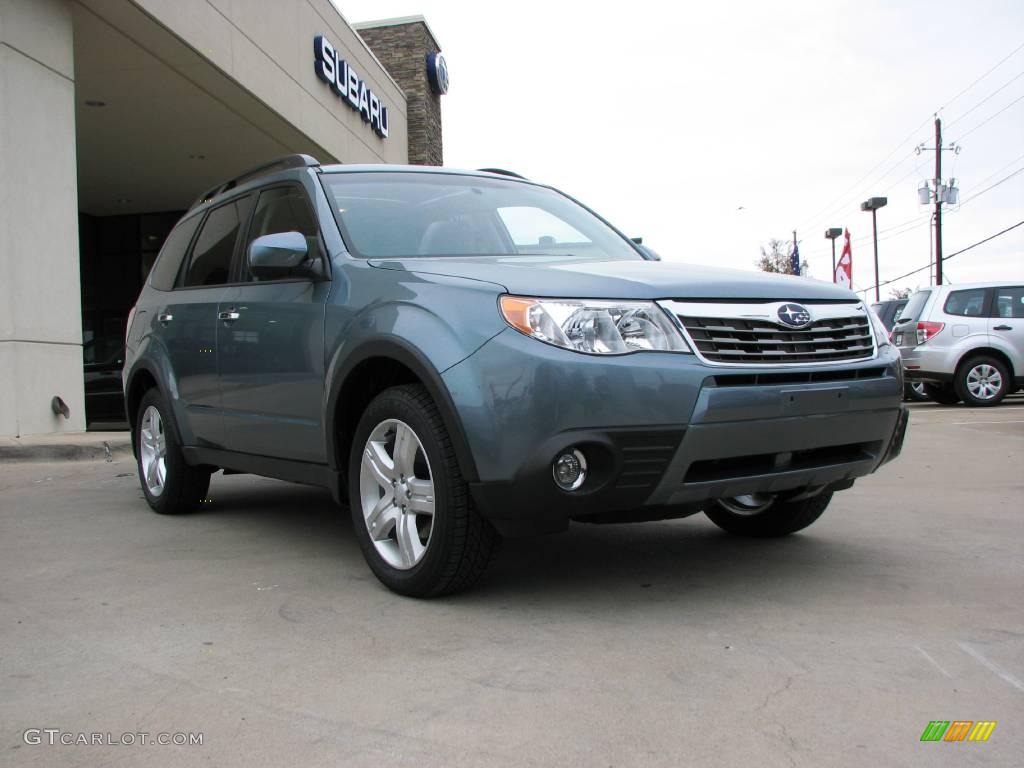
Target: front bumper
(663, 433)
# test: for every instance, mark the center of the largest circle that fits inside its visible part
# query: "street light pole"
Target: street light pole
(832, 233)
(873, 204)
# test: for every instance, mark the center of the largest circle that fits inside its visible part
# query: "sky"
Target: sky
(710, 128)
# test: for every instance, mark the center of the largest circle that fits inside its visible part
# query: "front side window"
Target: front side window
(969, 303)
(215, 246)
(396, 215)
(282, 209)
(1009, 302)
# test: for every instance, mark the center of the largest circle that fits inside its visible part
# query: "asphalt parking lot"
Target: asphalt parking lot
(256, 623)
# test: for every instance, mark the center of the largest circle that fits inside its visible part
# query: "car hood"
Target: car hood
(556, 276)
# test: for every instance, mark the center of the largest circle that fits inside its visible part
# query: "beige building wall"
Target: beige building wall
(267, 48)
(40, 300)
(261, 54)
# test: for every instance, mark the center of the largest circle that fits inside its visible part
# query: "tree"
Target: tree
(776, 258)
(900, 293)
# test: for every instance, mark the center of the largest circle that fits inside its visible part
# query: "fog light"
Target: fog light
(570, 470)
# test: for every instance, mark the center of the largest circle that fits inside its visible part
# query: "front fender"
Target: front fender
(436, 324)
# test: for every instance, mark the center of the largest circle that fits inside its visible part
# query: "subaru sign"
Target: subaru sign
(349, 87)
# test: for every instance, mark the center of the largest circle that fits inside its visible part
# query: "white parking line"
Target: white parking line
(1006, 421)
(992, 667)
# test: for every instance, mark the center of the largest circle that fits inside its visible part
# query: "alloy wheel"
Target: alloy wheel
(396, 490)
(153, 451)
(750, 504)
(984, 381)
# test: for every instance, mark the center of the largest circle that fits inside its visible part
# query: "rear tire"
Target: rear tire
(942, 394)
(914, 392)
(405, 485)
(780, 519)
(171, 486)
(982, 381)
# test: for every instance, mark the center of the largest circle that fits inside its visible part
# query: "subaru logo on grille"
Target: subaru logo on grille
(794, 315)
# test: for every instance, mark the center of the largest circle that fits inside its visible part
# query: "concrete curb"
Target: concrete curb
(90, 448)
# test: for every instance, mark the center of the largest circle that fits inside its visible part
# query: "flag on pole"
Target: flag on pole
(844, 269)
(794, 260)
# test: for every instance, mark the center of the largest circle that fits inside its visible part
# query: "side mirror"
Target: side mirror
(649, 253)
(282, 254)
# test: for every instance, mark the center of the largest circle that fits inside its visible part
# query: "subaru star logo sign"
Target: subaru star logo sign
(437, 73)
(794, 315)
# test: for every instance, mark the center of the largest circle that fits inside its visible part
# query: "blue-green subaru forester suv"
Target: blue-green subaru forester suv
(463, 355)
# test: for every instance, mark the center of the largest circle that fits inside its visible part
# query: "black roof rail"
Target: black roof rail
(503, 172)
(281, 164)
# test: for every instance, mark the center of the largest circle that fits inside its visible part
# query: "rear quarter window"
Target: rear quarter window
(912, 312)
(168, 263)
(968, 303)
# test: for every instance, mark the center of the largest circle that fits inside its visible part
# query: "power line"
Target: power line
(955, 253)
(831, 207)
(986, 74)
(997, 90)
(991, 186)
(988, 119)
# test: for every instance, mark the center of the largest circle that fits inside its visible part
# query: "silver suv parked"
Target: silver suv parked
(965, 342)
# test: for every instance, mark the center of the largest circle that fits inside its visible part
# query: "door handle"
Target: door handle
(165, 317)
(1002, 328)
(229, 316)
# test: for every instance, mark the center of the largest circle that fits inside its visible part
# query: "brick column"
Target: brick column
(402, 46)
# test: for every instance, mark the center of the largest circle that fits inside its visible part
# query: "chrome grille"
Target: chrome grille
(746, 334)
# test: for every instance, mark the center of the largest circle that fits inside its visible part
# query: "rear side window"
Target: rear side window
(1009, 302)
(168, 263)
(211, 255)
(912, 312)
(282, 209)
(969, 303)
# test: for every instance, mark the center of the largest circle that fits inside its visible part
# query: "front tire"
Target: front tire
(411, 509)
(982, 381)
(170, 485)
(753, 517)
(914, 392)
(942, 394)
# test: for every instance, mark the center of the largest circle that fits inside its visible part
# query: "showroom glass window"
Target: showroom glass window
(215, 246)
(282, 209)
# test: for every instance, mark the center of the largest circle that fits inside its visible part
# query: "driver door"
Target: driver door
(270, 339)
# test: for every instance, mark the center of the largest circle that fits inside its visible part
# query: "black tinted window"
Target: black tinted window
(211, 256)
(1009, 302)
(969, 303)
(168, 263)
(283, 210)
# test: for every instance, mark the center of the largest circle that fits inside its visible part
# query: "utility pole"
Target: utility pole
(938, 201)
(938, 191)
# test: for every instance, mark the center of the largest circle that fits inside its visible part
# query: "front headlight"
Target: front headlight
(881, 334)
(594, 327)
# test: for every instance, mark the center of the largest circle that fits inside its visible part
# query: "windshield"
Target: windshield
(392, 215)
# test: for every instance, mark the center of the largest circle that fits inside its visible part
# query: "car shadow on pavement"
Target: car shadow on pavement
(687, 559)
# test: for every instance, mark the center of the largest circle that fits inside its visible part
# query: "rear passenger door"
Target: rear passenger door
(187, 324)
(1006, 326)
(967, 314)
(271, 343)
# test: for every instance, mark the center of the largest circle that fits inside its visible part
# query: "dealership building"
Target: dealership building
(115, 115)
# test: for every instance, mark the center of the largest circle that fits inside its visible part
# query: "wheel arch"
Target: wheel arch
(368, 370)
(982, 352)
